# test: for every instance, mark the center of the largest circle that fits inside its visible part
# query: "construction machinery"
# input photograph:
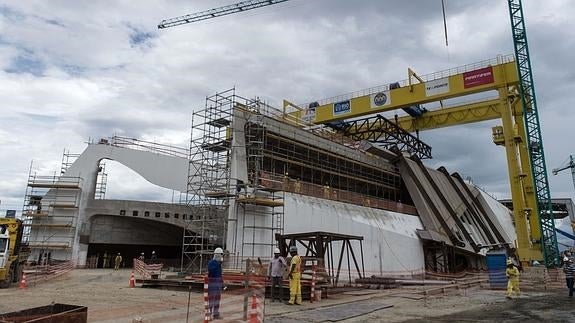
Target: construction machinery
(516, 105)
(569, 165)
(13, 253)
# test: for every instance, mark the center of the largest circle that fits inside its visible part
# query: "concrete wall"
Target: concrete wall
(163, 170)
(111, 229)
(390, 242)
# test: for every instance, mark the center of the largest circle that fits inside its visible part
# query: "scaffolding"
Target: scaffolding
(50, 213)
(209, 190)
(264, 204)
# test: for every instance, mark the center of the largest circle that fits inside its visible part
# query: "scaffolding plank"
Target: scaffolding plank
(49, 245)
(221, 122)
(260, 201)
(63, 205)
(52, 225)
(219, 194)
(217, 147)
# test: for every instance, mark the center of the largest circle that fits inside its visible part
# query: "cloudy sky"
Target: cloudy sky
(74, 71)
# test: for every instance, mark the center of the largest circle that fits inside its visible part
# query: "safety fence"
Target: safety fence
(147, 270)
(228, 300)
(286, 184)
(38, 274)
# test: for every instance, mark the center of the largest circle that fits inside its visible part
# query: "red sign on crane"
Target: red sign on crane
(478, 77)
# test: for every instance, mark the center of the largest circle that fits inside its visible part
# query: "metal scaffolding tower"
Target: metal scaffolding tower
(209, 189)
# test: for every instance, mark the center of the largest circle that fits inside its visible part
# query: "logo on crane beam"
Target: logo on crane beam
(342, 107)
(380, 99)
(478, 77)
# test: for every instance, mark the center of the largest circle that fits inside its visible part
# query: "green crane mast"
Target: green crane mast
(534, 140)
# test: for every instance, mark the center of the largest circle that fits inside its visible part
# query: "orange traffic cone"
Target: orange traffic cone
(22, 282)
(254, 310)
(132, 280)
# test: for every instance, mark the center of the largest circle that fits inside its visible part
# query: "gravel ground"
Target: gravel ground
(108, 298)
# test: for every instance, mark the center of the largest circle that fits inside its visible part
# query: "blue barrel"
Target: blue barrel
(496, 263)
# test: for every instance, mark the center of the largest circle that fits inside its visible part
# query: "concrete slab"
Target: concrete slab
(333, 313)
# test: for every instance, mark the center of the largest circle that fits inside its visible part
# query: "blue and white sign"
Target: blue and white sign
(341, 107)
(380, 99)
(309, 115)
(435, 87)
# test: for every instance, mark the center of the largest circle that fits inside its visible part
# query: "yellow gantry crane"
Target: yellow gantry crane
(500, 75)
(516, 106)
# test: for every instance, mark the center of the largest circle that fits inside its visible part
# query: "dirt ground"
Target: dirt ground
(108, 298)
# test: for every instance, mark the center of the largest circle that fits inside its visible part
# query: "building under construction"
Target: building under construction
(256, 177)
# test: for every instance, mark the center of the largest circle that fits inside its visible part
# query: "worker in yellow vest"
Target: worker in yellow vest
(512, 274)
(294, 277)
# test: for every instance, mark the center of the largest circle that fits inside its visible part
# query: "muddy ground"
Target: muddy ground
(106, 294)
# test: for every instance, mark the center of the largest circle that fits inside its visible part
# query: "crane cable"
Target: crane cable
(444, 22)
(445, 28)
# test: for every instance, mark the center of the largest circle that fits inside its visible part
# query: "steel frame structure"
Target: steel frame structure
(534, 138)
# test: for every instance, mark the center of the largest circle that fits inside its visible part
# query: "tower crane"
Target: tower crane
(531, 202)
(217, 12)
(569, 164)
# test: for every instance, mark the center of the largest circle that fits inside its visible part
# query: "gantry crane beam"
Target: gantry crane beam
(481, 77)
(452, 116)
(217, 12)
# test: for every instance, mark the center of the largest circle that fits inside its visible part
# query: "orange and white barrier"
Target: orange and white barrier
(207, 314)
(313, 278)
(254, 317)
(147, 270)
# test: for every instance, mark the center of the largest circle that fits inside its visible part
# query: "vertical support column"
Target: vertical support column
(516, 177)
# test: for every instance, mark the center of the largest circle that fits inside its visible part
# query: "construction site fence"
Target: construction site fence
(45, 273)
(287, 184)
(145, 270)
(236, 304)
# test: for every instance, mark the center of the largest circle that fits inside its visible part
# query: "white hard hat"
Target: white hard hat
(218, 251)
(565, 259)
(277, 250)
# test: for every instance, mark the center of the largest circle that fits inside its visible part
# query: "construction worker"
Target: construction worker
(117, 261)
(142, 257)
(215, 283)
(153, 258)
(294, 277)
(569, 270)
(512, 274)
(106, 263)
(275, 272)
